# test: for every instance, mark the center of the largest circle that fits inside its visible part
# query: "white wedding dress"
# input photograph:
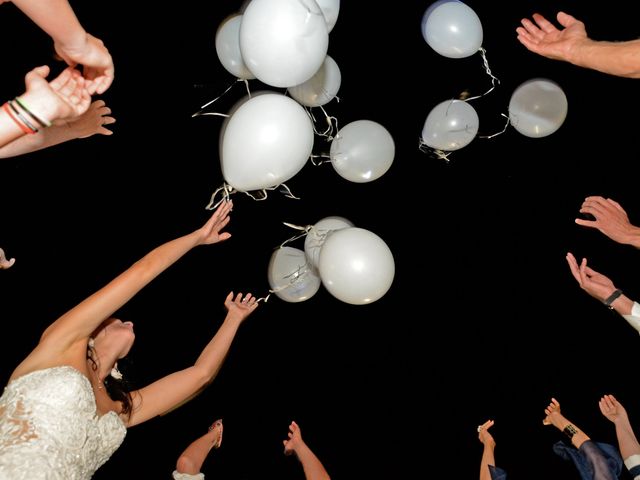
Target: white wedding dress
(50, 428)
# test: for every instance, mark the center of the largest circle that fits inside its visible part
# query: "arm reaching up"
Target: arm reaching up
(313, 468)
(572, 44)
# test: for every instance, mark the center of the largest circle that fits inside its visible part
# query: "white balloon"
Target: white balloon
(362, 151)
(537, 108)
(283, 42)
(330, 10)
(228, 48)
(266, 141)
(452, 29)
(356, 266)
(290, 277)
(318, 235)
(321, 88)
(450, 125)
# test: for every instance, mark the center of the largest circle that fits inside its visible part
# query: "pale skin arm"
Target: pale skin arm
(572, 44)
(191, 459)
(90, 123)
(616, 413)
(313, 468)
(488, 455)
(71, 41)
(65, 340)
(610, 219)
(597, 285)
(64, 97)
(175, 389)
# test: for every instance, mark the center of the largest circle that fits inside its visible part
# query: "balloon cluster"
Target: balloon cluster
(537, 108)
(268, 137)
(355, 265)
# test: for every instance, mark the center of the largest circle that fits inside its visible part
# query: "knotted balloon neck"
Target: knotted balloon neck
(434, 152)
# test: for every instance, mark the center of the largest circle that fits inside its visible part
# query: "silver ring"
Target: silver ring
(479, 428)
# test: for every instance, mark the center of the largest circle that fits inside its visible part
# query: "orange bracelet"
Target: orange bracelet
(22, 126)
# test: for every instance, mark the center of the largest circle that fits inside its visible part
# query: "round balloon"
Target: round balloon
(266, 141)
(290, 277)
(283, 42)
(356, 266)
(538, 108)
(450, 125)
(318, 235)
(452, 29)
(330, 9)
(228, 48)
(321, 88)
(362, 151)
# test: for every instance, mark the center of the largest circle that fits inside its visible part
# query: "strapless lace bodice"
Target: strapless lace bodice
(50, 429)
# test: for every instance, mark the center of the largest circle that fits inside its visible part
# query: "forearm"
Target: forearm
(313, 468)
(615, 58)
(45, 137)
(56, 18)
(214, 354)
(633, 237)
(83, 319)
(488, 458)
(627, 441)
(9, 130)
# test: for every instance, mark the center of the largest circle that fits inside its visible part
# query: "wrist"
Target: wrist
(74, 44)
(43, 109)
(613, 296)
(633, 237)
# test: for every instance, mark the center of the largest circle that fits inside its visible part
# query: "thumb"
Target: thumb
(42, 71)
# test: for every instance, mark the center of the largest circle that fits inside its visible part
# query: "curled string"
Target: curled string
(226, 190)
(320, 162)
(305, 231)
(331, 129)
(264, 299)
(500, 132)
(201, 111)
(434, 152)
(284, 189)
(487, 69)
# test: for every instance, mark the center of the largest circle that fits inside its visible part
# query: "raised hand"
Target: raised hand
(4, 263)
(610, 219)
(63, 97)
(96, 61)
(240, 307)
(543, 38)
(294, 440)
(612, 409)
(594, 283)
(91, 122)
(210, 232)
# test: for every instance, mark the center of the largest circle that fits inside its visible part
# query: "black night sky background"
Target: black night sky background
(483, 319)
